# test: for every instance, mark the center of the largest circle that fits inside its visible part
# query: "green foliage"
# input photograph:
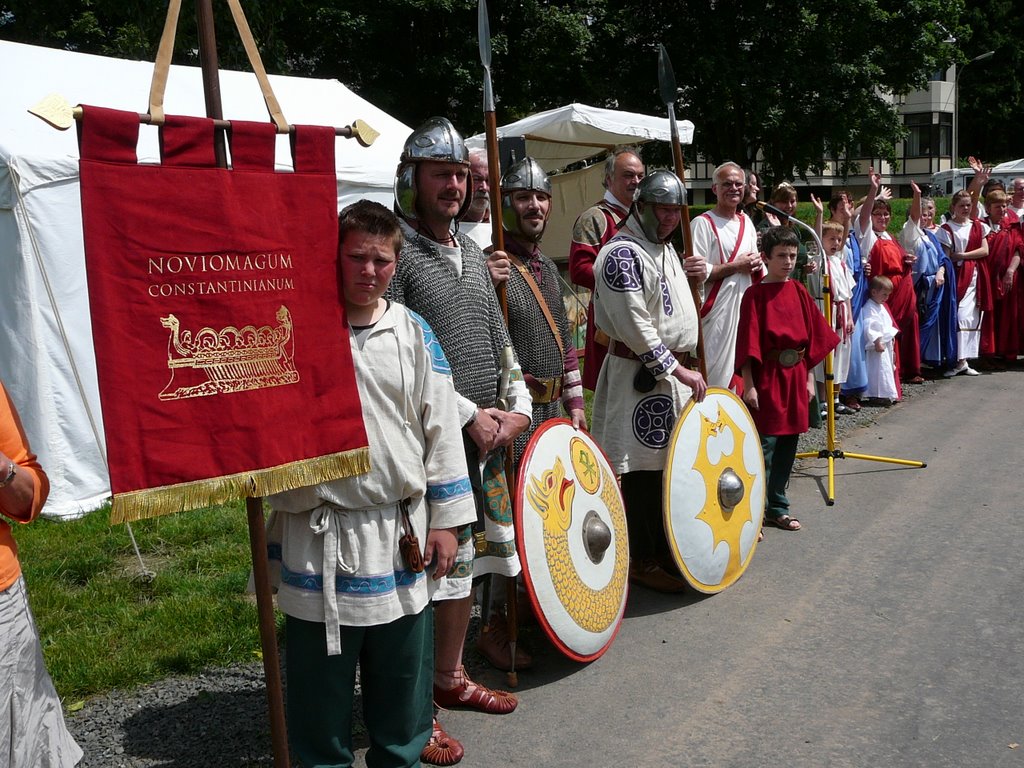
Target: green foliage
(104, 627)
(991, 91)
(798, 83)
(799, 87)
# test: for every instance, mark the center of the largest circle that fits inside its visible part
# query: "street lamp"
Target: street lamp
(956, 103)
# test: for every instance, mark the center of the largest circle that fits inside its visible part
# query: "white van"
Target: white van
(945, 183)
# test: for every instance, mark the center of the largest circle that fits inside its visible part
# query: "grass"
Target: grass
(104, 627)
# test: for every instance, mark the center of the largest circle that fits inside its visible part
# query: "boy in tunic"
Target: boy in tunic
(350, 535)
(782, 337)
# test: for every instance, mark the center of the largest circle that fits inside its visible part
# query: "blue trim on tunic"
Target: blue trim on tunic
(359, 586)
(438, 362)
(446, 491)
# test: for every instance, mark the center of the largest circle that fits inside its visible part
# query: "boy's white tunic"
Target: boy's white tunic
(881, 366)
(841, 284)
(641, 298)
(348, 530)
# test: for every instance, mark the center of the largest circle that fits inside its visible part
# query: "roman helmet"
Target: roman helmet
(437, 140)
(658, 188)
(525, 174)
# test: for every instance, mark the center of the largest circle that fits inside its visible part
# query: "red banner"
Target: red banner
(216, 314)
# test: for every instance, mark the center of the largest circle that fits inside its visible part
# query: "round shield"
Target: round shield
(714, 491)
(571, 535)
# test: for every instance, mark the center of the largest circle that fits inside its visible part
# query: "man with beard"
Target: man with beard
(442, 276)
(643, 301)
(476, 220)
(540, 332)
(623, 171)
(726, 258)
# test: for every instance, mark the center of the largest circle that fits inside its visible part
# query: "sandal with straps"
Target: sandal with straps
(470, 695)
(441, 749)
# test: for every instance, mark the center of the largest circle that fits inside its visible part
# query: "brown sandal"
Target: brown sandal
(441, 749)
(785, 522)
(469, 695)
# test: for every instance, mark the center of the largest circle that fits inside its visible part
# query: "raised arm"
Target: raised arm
(915, 204)
(864, 221)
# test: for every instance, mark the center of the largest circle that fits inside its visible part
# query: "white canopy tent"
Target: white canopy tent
(559, 137)
(1012, 166)
(46, 353)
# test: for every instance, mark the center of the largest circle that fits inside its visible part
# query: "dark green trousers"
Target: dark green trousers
(396, 665)
(779, 455)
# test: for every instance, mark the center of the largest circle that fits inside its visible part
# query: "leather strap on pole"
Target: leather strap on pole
(166, 49)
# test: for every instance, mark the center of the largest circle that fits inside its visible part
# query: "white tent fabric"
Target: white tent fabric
(558, 137)
(44, 296)
(1012, 166)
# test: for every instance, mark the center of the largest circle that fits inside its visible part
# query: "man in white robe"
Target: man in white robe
(726, 258)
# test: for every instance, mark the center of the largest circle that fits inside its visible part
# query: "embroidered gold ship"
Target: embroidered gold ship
(212, 362)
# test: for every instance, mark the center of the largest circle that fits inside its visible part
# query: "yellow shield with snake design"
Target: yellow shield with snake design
(714, 491)
(570, 527)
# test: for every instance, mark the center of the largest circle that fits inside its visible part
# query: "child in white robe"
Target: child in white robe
(879, 333)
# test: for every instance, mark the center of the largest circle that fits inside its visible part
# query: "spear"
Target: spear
(667, 87)
(498, 241)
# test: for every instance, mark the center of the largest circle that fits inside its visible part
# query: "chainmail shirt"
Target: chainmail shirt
(462, 310)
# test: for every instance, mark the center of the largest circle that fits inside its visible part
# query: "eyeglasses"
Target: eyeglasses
(731, 184)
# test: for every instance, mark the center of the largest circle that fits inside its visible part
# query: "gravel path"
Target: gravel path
(219, 718)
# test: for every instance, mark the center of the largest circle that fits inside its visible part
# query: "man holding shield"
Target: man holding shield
(642, 300)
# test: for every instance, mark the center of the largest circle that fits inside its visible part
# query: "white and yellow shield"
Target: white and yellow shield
(714, 491)
(571, 536)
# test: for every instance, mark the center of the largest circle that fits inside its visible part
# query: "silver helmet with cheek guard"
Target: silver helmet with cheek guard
(524, 175)
(436, 140)
(658, 188)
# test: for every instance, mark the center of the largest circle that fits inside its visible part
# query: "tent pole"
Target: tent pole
(253, 506)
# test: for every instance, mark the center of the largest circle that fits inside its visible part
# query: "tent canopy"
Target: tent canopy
(46, 354)
(1013, 166)
(566, 135)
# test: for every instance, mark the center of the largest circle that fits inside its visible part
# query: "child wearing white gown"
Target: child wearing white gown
(879, 333)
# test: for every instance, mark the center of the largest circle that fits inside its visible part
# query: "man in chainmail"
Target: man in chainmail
(540, 333)
(442, 276)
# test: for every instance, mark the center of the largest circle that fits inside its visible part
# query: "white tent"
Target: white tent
(559, 137)
(46, 353)
(1012, 166)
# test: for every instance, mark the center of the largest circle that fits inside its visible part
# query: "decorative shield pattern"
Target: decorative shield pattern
(714, 491)
(571, 535)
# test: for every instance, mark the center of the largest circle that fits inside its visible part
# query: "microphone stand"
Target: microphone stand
(832, 450)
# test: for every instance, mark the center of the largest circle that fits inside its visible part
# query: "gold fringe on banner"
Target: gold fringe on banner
(168, 499)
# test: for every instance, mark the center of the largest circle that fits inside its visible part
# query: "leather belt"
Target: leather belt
(787, 358)
(544, 390)
(685, 359)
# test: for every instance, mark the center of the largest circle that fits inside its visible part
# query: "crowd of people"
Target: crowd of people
(380, 571)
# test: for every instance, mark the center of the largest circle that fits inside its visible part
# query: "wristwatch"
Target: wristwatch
(12, 470)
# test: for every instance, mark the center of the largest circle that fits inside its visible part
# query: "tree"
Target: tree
(991, 93)
(796, 83)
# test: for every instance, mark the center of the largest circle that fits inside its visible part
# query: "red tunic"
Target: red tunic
(887, 259)
(582, 255)
(1004, 323)
(775, 317)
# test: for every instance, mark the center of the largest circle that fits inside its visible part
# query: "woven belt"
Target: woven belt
(787, 358)
(685, 359)
(544, 390)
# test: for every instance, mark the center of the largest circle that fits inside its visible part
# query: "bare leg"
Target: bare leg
(451, 622)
